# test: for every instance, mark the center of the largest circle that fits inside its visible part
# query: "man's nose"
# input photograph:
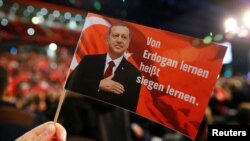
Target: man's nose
(119, 39)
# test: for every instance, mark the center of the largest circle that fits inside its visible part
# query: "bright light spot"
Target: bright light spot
(97, 5)
(4, 22)
(16, 6)
(62, 19)
(52, 46)
(123, 0)
(72, 24)
(228, 73)
(13, 51)
(67, 15)
(56, 13)
(44, 84)
(155, 138)
(30, 8)
(51, 17)
(1, 3)
(40, 19)
(12, 10)
(53, 65)
(26, 13)
(246, 19)
(39, 14)
(243, 33)
(44, 11)
(31, 31)
(218, 38)
(35, 20)
(207, 40)
(51, 51)
(231, 25)
(78, 17)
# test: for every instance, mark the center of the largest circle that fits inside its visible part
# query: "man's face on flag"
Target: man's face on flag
(118, 40)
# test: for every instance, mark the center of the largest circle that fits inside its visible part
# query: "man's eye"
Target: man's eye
(124, 37)
(115, 35)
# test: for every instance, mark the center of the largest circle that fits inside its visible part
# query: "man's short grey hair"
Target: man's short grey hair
(119, 24)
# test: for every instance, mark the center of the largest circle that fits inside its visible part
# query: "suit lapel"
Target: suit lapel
(122, 66)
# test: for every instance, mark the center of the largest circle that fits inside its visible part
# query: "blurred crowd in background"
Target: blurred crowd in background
(34, 77)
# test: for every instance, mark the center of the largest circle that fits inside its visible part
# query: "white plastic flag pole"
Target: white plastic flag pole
(59, 105)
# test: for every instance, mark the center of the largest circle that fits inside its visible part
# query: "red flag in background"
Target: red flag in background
(177, 75)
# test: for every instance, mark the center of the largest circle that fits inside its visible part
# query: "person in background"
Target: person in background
(243, 113)
(13, 121)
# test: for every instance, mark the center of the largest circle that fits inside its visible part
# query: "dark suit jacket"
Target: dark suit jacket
(86, 77)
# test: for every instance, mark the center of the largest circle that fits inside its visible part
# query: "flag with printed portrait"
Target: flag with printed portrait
(178, 72)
